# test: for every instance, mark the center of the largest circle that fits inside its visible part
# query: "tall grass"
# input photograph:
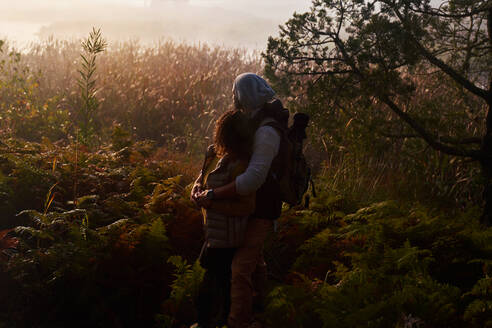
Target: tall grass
(172, 93)
(162, 92)
(93, 45)
(434, 179)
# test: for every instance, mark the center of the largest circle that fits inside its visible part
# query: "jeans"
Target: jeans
(214, 296)
(247, 264)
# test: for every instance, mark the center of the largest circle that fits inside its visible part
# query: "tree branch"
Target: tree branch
(442, 14)
(315, 59)
(448, 140)
(484, 94)
(461, 141)
(429, 138)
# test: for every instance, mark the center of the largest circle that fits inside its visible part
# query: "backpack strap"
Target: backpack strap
(277, 126)
(277, 165)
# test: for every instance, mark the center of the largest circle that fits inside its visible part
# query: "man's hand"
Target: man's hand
(202, 200)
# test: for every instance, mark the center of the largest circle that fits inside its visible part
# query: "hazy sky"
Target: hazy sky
(243, 23)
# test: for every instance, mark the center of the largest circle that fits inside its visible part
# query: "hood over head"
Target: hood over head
(251, 91)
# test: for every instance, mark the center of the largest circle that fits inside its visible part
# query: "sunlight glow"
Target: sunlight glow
(243, 23)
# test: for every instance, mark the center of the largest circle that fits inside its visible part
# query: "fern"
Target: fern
(188, 279)
(157, 232)
(376, 211)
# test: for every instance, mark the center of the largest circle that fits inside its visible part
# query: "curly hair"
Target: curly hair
(233, 135)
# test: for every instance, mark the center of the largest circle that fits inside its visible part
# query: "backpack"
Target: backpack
(290, 169)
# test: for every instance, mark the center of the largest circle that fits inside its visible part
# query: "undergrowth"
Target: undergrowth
(100, 258)
(385, 265)
(122, 251)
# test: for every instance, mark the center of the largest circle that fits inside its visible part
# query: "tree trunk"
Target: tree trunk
(487, 164)
(487, 144)
(486, 218)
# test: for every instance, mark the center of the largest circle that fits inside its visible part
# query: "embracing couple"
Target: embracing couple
(240, 201)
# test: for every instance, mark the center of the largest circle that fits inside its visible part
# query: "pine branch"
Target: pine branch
(428, 137)
(457, 77)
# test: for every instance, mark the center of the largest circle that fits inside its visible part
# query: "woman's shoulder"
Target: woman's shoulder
(232, 166)
(210, 158)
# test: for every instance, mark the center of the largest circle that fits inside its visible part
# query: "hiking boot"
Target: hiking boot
(195, 325)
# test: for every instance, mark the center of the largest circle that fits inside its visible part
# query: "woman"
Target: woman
(251, 94)
(225, 221)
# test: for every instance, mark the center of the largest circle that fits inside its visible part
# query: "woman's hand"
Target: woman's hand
(197, 189)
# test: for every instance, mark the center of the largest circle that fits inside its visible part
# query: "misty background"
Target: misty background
(230, 23)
